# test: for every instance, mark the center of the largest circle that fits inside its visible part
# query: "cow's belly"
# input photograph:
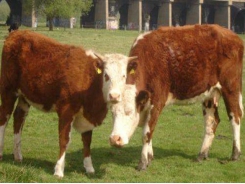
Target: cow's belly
(81, 124)
(38, 106)
(213, 92)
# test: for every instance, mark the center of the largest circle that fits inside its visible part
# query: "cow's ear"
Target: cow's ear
(142, 98)
(98, 64)
(132, 64)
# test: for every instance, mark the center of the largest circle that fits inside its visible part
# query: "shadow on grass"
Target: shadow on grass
(100, 156)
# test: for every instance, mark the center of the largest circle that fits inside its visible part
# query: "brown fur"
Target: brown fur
(187, 61)
(49, 73)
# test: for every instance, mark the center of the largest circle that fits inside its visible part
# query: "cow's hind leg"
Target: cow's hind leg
(20, 113)
(211, 121)
(8, 100)
(65, 123)
(234, 107)
(87, 161)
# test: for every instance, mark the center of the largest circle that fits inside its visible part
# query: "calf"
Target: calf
(50, 76)
(183, 65)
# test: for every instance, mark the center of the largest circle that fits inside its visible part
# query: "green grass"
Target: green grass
(176, 143)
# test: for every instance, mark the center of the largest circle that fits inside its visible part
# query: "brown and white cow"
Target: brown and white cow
(183, 65)
(50, 76)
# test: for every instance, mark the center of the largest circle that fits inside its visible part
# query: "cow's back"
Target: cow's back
(185, 61)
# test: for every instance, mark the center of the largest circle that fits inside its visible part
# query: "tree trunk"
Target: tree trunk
(15, 11)
(50, 24)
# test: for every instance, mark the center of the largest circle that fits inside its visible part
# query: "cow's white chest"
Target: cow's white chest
(81, 124)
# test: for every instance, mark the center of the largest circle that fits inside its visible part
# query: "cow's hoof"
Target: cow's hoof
(59, 175)
(201, 157)
(235, 157)
(18, 160)
(142, 166)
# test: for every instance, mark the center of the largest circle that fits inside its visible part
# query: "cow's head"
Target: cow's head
(128, 114)
(113, 67)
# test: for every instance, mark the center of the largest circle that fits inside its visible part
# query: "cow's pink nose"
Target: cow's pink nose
(114, 96)
(116, 141)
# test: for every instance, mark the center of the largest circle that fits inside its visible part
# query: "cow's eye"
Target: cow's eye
(106, 77)
(124, 76)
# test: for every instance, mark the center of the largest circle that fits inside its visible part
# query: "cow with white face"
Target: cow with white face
(182, 65)
(126, 116)
(114, 68)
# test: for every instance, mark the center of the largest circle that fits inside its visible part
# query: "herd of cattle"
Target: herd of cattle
(165, 66)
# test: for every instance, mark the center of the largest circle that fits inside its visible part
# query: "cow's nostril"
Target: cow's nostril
(116, 140)
(114, 96)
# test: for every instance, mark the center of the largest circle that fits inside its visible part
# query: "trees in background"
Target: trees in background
(49, 8)
(61, 8)
(4, 11)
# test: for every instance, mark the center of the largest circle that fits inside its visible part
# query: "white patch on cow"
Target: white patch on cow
(59, 167)
(114, 76)
(125, 116)
(211, 93)
(209, 122)
(171, 51)
(236, 126)
(81, 124)
(17, 146)
(240, 104)
(2, 132)
(91, 54)
(36, 105)
(140, 37)
(88, 165)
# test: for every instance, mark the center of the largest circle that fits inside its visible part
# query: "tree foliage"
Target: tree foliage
(59, 8)
(4, 10)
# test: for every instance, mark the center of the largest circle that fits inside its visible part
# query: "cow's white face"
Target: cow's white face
(114, 71)
(127, 115)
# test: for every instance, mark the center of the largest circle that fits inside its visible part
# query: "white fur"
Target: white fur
(209, 121)
(140, 37)
(59, 167)
(2, 132)
(240, 104)
(236, 126)
(115, 66)
(81, 124)
(91, 54)
(17, 146)
(212, 92)
(88, 165)
(125, 116)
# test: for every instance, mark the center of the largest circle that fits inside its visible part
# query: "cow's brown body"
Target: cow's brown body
(176, 64)
(52, 77)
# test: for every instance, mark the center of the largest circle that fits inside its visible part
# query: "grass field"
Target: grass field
(176, 143)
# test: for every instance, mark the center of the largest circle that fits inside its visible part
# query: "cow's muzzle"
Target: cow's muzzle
(114, 97)
(116, 141)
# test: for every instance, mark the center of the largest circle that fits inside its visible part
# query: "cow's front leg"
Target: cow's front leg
(87, 161)
(146, 156)
(147, 151)
(65, 121)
